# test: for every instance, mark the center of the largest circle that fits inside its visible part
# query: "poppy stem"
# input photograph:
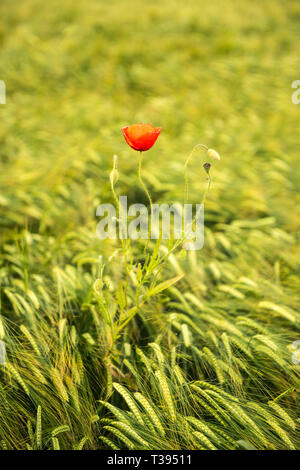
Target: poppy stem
(164, 259)
(148, 196)
(185, 169)
(186, 185)
(204, 198)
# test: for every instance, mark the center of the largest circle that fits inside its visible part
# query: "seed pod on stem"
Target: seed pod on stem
(213, 154)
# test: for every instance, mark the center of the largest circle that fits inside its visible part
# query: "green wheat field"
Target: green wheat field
(110, 345)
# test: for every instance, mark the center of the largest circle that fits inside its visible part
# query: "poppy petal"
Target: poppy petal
(141, 137)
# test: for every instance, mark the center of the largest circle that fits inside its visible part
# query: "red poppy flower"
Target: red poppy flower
(141, 137)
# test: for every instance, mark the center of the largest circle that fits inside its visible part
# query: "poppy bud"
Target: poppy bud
(213, 154)
(114, 174)
(206, 167)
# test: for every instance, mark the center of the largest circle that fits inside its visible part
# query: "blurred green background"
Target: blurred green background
(218, 72)
(212, 72)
